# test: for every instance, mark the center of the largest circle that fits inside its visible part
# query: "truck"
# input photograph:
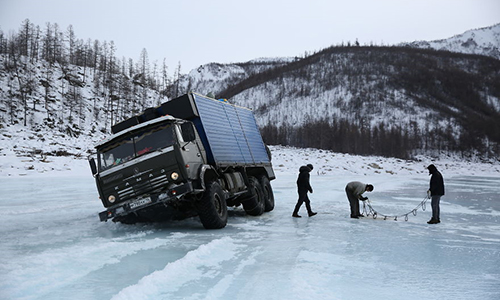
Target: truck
(192, 155)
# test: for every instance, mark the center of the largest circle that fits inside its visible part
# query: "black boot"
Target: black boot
(432, 221)
(295, 213)
(312, 213)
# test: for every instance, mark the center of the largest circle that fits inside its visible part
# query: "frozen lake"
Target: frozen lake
(54, 247)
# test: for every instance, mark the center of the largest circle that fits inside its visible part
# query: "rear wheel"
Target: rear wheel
(212, 207)
(267, 191)
(254, 205)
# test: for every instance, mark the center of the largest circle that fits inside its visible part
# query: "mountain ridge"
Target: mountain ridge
(482, 41)
(488, 45)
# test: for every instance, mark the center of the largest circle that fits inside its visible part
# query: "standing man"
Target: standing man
(436, 190)
(303, 186)
(354, 191)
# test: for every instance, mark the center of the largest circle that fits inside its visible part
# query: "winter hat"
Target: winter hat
(310, 166)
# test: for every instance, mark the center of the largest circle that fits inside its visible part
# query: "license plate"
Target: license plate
(140, 202)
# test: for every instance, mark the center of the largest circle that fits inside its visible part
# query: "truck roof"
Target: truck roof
(136, 127)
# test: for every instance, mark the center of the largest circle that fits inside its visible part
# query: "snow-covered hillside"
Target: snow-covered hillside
(374, 96)
(210, 79)
(214, 77)
(482, 41)
(415, 93)
(59, 107)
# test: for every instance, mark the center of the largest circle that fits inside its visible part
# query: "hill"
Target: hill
(389, 101)
(392, 101)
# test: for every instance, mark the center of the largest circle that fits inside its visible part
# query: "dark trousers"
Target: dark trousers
(303, 198)
(435, 207)
(353, 202)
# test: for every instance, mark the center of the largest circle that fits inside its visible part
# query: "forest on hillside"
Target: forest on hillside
(58, 46)
(390, 101)
(63, 65)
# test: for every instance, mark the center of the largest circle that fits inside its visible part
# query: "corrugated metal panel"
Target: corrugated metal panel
(253, 137)
(219, 134)
(231, 132)
(241, 147)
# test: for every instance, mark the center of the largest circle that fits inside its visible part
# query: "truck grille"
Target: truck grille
(142, 185)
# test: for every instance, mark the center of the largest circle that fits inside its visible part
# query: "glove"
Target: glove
(363, 198)
(428, 194)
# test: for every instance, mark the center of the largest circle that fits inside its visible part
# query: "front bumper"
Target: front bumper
(131, 206)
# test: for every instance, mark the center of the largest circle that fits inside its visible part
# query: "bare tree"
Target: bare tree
(165, 80)
(25, 38)
(35, 44)
(48, 48)
(3, 42)
(144, 74)
(177, 78)
(70, 35)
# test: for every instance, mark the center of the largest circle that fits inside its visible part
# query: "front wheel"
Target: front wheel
(212, 207)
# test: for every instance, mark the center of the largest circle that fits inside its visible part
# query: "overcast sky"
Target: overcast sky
(196, 32)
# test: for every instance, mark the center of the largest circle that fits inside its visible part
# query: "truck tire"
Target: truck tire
(267, 191)
(254, 205)
(129, 219)
(212, 207)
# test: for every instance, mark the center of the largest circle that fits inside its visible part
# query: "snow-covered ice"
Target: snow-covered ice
(54, 247)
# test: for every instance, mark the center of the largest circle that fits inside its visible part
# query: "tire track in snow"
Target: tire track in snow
(203, 263)
(223, 285)
(27, 277)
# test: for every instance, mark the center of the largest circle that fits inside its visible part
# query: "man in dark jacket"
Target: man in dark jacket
(436, 190)
(303, 186)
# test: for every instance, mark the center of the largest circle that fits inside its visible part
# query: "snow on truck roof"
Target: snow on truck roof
(136, 127)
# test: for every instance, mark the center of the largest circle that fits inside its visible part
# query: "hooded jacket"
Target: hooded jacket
(303, 184)
(437, 182)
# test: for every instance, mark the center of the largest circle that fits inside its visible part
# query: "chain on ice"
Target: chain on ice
(372, 211)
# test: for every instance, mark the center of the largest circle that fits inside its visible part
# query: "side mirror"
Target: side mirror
(93, 166)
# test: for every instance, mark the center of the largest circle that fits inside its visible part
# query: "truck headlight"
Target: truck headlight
(174, 176)
(111, 198)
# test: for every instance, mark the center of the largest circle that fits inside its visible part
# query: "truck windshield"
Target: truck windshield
(134, 145)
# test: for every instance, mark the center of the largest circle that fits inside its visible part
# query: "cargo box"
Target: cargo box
(228, 132)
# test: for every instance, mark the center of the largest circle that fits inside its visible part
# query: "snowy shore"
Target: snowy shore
(286, 160)
(25, 152)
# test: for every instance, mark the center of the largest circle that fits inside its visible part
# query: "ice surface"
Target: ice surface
(54, 247)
